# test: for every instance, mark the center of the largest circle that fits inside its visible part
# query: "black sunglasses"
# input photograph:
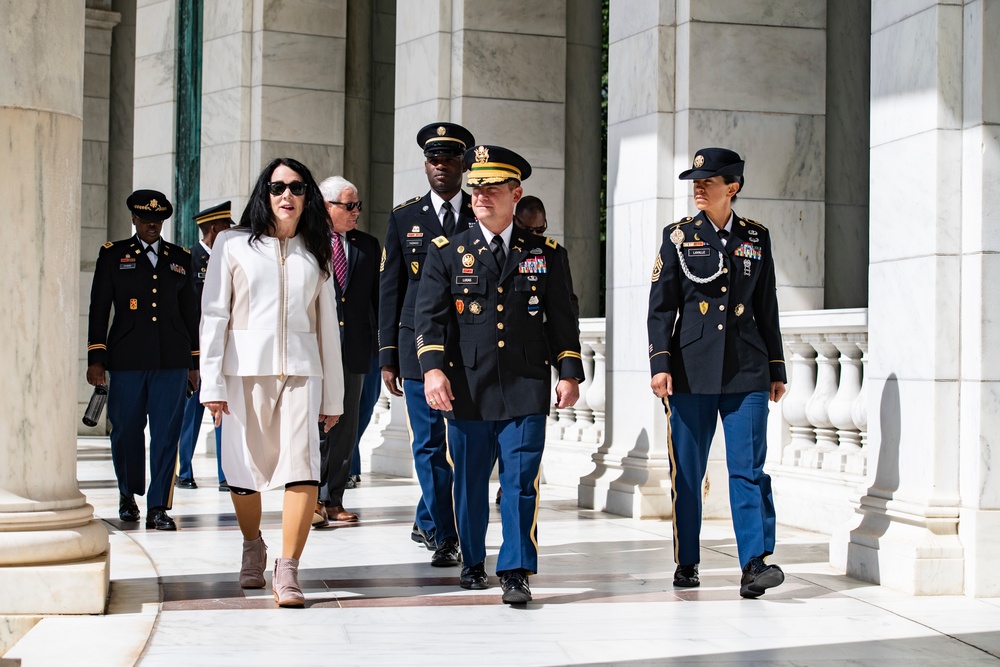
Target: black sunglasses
(277, 188)
(349, 205)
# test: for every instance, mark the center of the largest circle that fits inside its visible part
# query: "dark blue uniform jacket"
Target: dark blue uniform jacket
(720, 336)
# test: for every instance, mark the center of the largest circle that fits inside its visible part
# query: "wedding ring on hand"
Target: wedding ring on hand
(432, 401)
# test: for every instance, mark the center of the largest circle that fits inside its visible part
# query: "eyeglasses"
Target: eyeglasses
(277, 188)
(349, 205)
(534, 230)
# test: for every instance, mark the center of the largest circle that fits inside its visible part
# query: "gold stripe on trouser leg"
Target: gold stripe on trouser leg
(177, 470)
(406, 411)
(673, 481)
(534, 519)
(451, 462)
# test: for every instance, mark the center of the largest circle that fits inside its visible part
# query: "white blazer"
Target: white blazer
(262, 316)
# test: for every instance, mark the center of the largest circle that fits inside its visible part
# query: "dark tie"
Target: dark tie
(152, 251)
(449, 219)
(498, 252)
(723, 234)
(339, 260)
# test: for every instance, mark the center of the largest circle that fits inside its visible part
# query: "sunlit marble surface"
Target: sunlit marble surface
(603, 596)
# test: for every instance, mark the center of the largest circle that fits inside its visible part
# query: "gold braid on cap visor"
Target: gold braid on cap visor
(491, 173)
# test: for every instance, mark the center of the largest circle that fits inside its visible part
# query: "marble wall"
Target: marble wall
(273, 85)
(53, 554)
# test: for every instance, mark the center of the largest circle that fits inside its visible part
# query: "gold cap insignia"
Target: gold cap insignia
(738, 310)
(698, 161)
(482, 154)
(441, 131)
(475, 307)
(468, 259)
(703, 307)
(677, 236)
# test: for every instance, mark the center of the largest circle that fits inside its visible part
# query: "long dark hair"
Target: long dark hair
(314, 226)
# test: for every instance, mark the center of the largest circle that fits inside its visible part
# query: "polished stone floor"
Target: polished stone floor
(603, 596)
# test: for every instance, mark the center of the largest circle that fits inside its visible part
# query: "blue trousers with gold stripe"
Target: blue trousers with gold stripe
(132, 395)
(516, 444)
(693, 419)
(435, 512)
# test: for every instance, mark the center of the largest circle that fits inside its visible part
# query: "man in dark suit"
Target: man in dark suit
(485, 357)
(529, 215)
(443, 211)
(210, 222)
(355, 280)
(715, 350)
(151, 353)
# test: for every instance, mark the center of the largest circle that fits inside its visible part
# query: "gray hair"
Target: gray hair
(332, 187)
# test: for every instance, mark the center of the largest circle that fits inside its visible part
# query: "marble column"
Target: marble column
(155, 109)
(686, 75)
(53, 554)
(630, 475)
(922, 305)
(94, 203)
(979, 432)
(379, 198)
(273, 86)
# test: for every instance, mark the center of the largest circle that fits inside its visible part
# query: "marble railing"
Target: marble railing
(825, 411)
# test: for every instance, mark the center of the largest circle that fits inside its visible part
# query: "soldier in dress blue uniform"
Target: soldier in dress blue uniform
(715, 349)
(484, 296)
(443, 211)
(150, 352)
(210, 222)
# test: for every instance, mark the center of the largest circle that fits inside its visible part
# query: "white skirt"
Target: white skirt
(271, 436)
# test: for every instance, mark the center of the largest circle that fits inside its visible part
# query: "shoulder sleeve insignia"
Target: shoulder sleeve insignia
(108, 244)
(551, 242)
(657, 267)
(408, 202)
(440, 241)
(381, 266)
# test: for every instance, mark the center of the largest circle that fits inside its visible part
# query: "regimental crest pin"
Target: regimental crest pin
(738, 309)
(475, 308)
(676, 236)
(703, 307)
(468, 259)
(414, 266)
(459, 306)
(133, 304)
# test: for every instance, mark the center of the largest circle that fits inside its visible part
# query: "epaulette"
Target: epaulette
(186, 250)
(551, 242)
(408, 202)
(440, 241)
(754, 223)
(108, 244)
(682, 221)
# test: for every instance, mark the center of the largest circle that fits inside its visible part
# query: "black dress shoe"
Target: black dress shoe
(515, 587)
(223, 487)
(185, 483)
(127, 509)
(159, 520)
(758, 576)
(474, 578)
(422, 538)
(686, 576)
(447, 554)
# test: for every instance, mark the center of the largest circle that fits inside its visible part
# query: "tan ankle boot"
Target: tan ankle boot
(286, 583)
(254, 562)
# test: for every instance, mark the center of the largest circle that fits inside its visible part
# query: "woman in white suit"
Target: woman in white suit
(271, 362)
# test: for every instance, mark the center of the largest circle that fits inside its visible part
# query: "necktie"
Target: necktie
(339, 261)
(498, 252)
(152, 251)
(724, 235)
(448, 223)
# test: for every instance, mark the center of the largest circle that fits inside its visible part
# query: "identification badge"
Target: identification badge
(200, 275)
(699, 252)
(130, 265)
(414, 243)
(466, 280)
